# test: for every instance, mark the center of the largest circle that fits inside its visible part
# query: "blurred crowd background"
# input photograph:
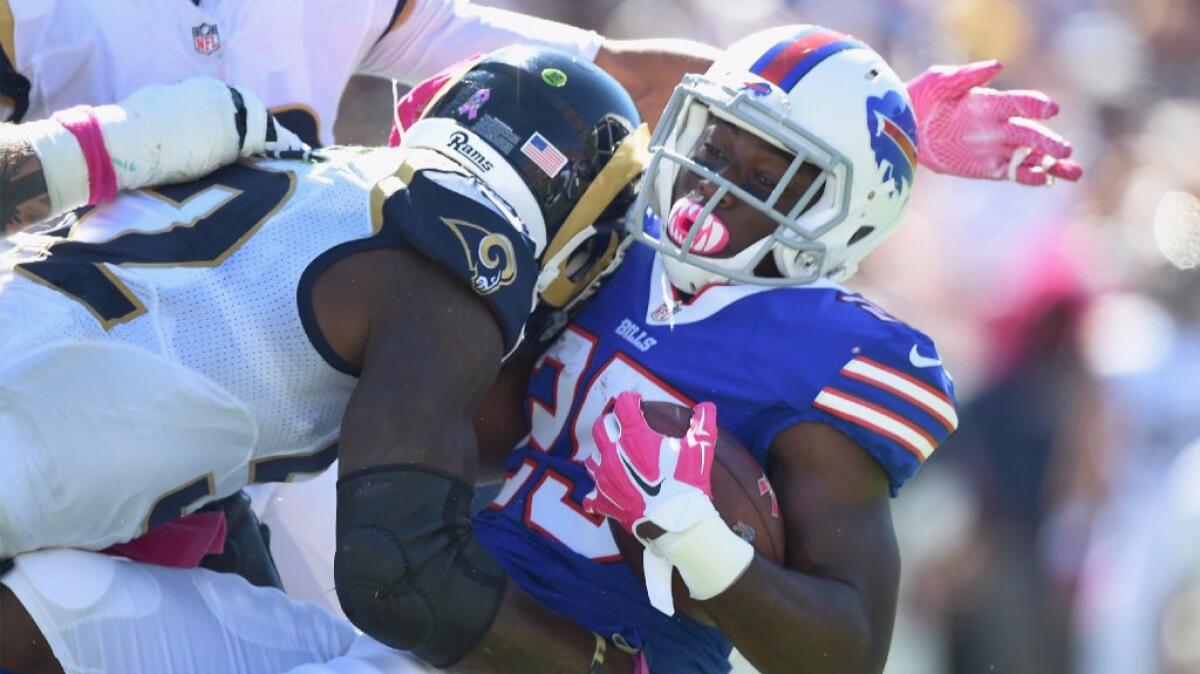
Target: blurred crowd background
(1059, 530)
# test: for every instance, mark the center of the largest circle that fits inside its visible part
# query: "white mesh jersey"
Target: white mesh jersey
(158, 357)
(297, 55)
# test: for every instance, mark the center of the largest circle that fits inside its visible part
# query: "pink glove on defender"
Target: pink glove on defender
(410, 108)
(967, 130)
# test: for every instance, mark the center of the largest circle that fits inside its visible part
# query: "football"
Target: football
(741, 493)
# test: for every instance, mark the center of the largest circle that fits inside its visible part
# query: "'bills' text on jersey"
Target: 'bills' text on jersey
(768, 357)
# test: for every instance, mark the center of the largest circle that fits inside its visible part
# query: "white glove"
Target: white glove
(159, 134)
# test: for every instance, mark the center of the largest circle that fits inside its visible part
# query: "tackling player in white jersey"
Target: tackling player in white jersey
(175, 345)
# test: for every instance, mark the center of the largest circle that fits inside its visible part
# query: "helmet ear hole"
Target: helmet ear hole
(580, 261)
(860, 234)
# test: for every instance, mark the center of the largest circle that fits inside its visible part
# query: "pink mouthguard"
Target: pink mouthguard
(713, 235)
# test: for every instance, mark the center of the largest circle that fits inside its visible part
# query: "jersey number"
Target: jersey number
(549, 508)
(78, 268)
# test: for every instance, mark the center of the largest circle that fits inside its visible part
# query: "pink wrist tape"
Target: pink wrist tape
(102, 179)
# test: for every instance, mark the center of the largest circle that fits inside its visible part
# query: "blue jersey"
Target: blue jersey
(768, 357)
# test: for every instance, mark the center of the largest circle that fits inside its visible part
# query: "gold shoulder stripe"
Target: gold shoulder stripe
(7, 31)
(411, 161)
(627, 163)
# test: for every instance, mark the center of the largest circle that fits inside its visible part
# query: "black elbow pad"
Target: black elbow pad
(408, 570)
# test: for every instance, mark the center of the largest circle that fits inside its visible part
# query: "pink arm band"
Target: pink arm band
(102, 179)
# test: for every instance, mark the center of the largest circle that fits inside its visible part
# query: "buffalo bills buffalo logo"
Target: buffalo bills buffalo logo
(756, 88)
(893, 129)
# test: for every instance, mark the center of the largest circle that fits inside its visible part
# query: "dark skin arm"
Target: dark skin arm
(650, 69)
(832, 609)
(22, 646)
(500, 418)
(428, 360)
(24, 200)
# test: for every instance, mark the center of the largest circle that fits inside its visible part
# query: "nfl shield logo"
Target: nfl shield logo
(663, 312)
(205, 38)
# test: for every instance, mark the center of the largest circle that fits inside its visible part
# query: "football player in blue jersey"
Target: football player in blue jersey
(773, 415)
(772, 176)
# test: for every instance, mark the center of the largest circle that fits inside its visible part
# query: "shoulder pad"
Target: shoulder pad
(449, 218)
(842, 360)
(893, 396)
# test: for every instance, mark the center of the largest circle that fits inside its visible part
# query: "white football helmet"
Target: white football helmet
(821, 96)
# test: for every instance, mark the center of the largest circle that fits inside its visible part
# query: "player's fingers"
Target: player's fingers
(1030, 167)
(1020, 103)
(627, 407)
(607, 505)
(1028, 133)
(964, 78)
(1066, 169)
(1031, 175)
(596, 502)
(606, 429)
(589, 501)
(704, 419)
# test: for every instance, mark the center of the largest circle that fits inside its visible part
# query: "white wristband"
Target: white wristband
(709, 555)
(63, 164)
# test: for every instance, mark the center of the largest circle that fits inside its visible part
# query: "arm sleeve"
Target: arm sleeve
(433, 34)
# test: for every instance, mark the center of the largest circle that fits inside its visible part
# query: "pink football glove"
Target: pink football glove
(412, 105)
(642, 475)
(967, 130)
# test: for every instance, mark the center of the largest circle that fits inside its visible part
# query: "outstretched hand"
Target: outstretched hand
(969, 130)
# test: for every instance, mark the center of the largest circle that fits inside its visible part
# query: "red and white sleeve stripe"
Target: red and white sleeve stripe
(888, 423)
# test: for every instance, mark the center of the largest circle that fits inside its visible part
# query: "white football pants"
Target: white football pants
(107, 615)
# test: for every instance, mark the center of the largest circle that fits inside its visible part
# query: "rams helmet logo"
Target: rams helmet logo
(490, 256)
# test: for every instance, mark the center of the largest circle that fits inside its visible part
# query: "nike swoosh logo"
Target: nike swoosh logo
(921, 361)
(650, 489)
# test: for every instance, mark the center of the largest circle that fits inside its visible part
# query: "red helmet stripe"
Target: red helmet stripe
(788, 61)
(897, 134)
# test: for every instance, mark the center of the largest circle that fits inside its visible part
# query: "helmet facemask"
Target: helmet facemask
(587, 244)
(799, 254)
